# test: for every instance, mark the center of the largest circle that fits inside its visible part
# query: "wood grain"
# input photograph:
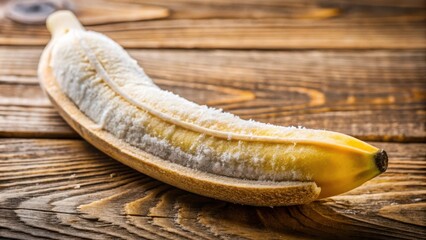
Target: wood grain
(313, 9)
(232, 25)
(373, 95)
(356, 67)
(56, 189)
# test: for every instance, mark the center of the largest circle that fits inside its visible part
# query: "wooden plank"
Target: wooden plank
(66, 189)
(373, 95)
(259, 25)
(311, 9)
(126, 10)
(190, 9)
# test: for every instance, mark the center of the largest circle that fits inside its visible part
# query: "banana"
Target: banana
(109, 87)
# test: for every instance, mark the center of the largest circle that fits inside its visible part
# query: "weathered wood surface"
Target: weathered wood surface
(356, 67)
(364, 94)
(66, 189)
(253, 24)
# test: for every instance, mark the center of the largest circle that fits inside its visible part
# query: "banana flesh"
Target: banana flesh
(111, 89)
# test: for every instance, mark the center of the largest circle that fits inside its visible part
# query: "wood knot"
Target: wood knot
(35, 12)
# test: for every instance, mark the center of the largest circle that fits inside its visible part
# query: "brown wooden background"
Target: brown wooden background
(356, 67)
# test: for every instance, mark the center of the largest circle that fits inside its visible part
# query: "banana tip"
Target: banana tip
(381, 160)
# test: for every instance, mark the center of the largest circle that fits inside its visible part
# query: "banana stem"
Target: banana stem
(381, 160)
(60, 22)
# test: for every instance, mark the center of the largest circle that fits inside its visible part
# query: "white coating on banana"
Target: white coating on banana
(111, 89)
(97, 85)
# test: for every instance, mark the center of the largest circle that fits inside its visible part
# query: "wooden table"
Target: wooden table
(356, 67)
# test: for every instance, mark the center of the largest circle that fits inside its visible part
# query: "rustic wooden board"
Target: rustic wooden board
(231, 24)
(374, 95)
(356, 67)
(67, 189)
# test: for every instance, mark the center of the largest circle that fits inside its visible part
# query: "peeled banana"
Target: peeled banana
(109, 87)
